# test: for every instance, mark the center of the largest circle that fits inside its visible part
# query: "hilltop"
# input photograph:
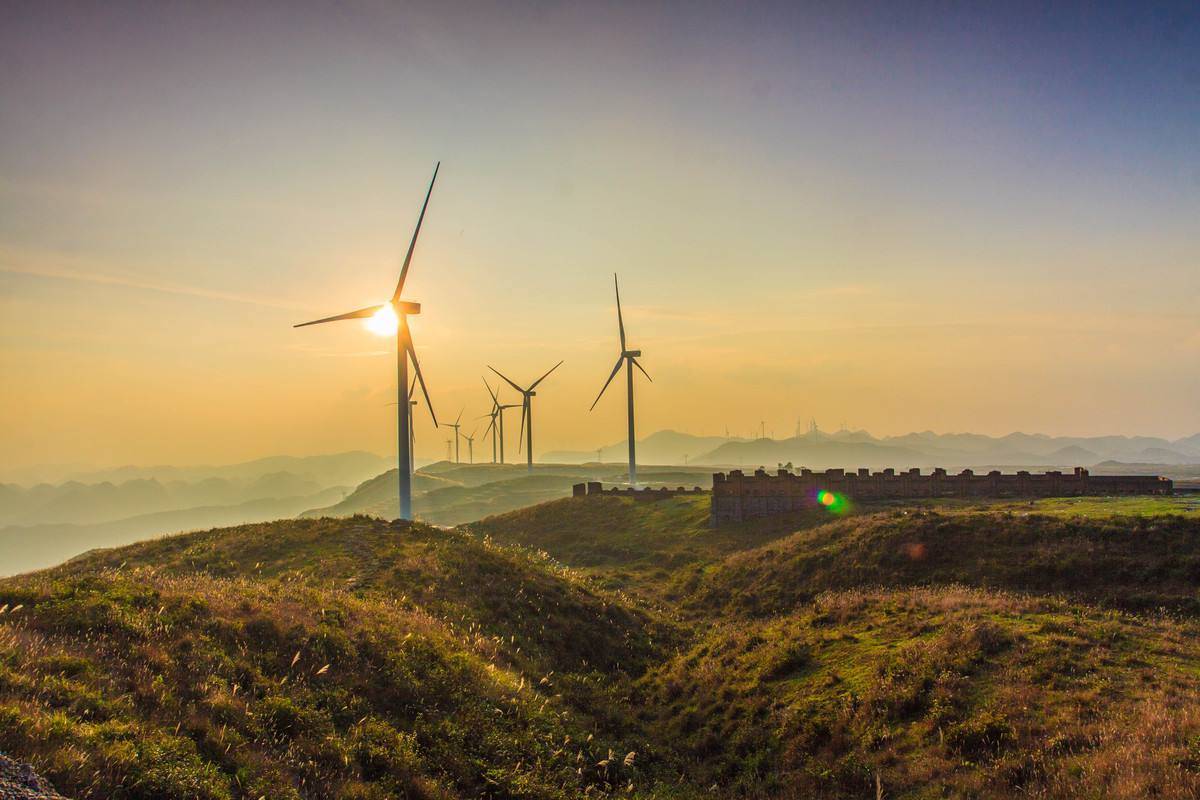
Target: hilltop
(319, 659)
(1136, 563)
(601, 646)
(445, 493)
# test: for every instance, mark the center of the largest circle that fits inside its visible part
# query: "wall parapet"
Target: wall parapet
(736, 496)
(595, 488)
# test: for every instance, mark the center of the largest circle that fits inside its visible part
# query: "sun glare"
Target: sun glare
(383, 322)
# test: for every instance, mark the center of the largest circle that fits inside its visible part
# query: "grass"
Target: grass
(633, 545)
(946, 692)
(603, 646)
(1133, 563)
(1140, 506)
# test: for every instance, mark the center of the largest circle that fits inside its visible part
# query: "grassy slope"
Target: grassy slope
(631, 544)
(800, 683)
(460, 665)
(1136, 563)
(193, 667)
(945, 692)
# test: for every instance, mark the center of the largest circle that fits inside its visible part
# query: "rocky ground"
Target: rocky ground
(19, 782)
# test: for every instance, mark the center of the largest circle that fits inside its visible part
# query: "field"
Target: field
(605, 647)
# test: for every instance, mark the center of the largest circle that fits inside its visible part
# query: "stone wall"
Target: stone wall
(593, 488)
(736, 496)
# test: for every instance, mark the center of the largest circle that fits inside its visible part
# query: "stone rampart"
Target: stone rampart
(736, 496)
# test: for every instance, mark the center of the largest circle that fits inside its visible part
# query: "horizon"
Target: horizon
(909, 219)
(72, 472)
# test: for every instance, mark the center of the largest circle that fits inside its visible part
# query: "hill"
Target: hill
(318, 659)
(1134, 563)
(632, 545)
(27, 547)
(451, 494)
(660, 447)
(938, 692)
(601, 646)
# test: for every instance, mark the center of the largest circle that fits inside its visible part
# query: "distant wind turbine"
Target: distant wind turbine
(527, 410)
(471, 446)
(496, 427)
(630, 359)
(385, 319)
(456, 425)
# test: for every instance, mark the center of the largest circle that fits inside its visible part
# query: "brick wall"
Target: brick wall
(736, 496)
(593, 488)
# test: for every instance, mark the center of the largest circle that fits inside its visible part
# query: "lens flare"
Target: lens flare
(383, 322)
(832, 501)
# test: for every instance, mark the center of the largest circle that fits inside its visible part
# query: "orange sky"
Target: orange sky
(886, 244)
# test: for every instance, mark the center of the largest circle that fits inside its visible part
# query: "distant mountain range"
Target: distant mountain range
(926, 449)
(663, 447)
(45, 523)
(331, 469)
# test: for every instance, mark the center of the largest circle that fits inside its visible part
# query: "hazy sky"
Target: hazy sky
(898, 216)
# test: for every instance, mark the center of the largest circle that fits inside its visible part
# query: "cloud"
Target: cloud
(60, 267)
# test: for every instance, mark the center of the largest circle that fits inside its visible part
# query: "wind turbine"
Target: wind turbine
(491, 415)
(527, 411)
(471, 445)
(456, 425)
(497, 424)
(630, 359)
(386, 319)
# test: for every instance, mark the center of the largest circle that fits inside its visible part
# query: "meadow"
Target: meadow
(599, 646)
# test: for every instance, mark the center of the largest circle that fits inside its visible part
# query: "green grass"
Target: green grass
(946, 692)
(963, 651)
(1140, 506)
(1134, 563)
(634, 545)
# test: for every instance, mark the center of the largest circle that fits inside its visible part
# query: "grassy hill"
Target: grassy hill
(1130, 562)
(940, 692)
(603, 646)
(319, 659)
(445, 493)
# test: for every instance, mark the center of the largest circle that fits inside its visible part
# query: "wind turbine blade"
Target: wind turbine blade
(620, 320)
(412, 353)
(417, 232)
(459, 417)
(539, 380)
(412, 387)
(637, 364)
(495, 401)
(360, 314)
(616, 369)
(510, 383)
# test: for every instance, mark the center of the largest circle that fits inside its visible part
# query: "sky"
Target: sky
(896, 216)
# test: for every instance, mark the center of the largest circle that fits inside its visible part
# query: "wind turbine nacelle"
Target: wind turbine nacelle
(632, 353)
(406, 307)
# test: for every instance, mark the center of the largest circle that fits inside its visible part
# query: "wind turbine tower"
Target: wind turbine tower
(470, 446)
(386, 319)
(630, 359)
(456, 425)
(527, 396)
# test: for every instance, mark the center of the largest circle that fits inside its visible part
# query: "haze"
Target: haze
(898, 221)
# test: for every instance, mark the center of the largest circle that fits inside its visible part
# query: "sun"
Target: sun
(383, 322)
